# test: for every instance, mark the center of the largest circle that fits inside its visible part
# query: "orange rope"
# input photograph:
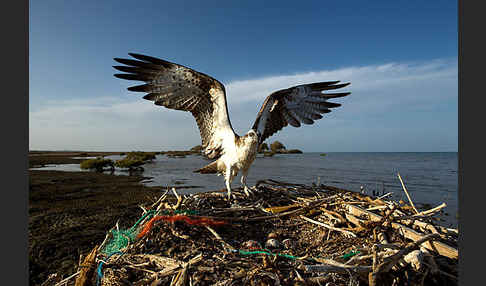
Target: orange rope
(201, 221)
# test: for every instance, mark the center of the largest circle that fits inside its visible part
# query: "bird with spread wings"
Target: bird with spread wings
(178, 87)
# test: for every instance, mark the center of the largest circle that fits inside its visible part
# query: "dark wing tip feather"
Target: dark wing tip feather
(118, 67)
(336, 95)
(344, 84)
(331, 104)
(150, 59)
(125, 61)
(324, 84)
(128, 62)
(126, 69)
(142, 88)
(119, 75)
(129, 76)
(321, 86)
(150, 96)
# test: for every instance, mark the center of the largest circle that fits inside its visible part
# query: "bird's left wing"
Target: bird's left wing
(302, 103)
(178, 87)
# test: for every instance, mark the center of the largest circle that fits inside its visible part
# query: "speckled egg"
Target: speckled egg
(251, 244)
(288, 243)
(272, 243)
(272, 235)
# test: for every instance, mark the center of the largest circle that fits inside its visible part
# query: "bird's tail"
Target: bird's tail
(209, 169)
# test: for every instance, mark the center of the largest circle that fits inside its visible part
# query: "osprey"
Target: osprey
(178, 87)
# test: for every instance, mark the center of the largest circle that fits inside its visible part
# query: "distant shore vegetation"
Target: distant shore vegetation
(136, 159)
(98, 164)
(132, 161)
(276, 147)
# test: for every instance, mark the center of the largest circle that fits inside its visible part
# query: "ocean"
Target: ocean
(430, 178)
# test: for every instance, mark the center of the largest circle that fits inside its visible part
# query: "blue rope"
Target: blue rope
(99, 269)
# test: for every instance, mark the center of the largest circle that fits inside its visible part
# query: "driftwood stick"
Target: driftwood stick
(52, 278)
(386, 219)
(87, 269)
(161, 199)
(335, 215)
(413, 219)
(309, 206)
(391, 260)
(380, 207)
(410, 218)
(65, 280)
(406, 192)
(384, 196)
(179, 199)
(345, 269)
(218, 237)
(431, 211)
(439, 247)
(347, 233)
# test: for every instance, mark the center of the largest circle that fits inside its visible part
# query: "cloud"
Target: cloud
(384, 80)
(379, 93)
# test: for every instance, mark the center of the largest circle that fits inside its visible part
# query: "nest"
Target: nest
(284, 234)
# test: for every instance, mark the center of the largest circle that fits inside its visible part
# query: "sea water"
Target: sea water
(430, 178)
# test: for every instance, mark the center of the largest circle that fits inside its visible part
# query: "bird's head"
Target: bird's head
(252, 136)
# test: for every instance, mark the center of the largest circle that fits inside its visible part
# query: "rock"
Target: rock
(276, 146)
(263, 147)
(291, 151)
(268, 154)
(197, 148)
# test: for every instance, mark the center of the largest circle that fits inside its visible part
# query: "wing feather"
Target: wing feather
(181, 88)
(299, 104)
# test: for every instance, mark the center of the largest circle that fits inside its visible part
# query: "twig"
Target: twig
(384, 196)
(337, 269)
(439, 247)
(328, 226)
(408, 196)
(311, 205)
(87, 271)
(390, 261)
(433, 210)
(218, 237)
(67, 279)
(179, 199)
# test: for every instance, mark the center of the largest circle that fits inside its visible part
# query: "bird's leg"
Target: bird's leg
(243, 182)
(227, 179)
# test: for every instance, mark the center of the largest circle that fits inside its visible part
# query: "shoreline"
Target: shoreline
(71, 212)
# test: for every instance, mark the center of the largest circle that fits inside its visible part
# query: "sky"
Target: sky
(399, 56)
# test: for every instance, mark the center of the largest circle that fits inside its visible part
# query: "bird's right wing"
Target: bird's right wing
(178, 87)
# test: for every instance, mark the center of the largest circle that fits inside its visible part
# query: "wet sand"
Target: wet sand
(70, 212)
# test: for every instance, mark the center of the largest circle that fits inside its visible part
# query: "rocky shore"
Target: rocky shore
(70, 211)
